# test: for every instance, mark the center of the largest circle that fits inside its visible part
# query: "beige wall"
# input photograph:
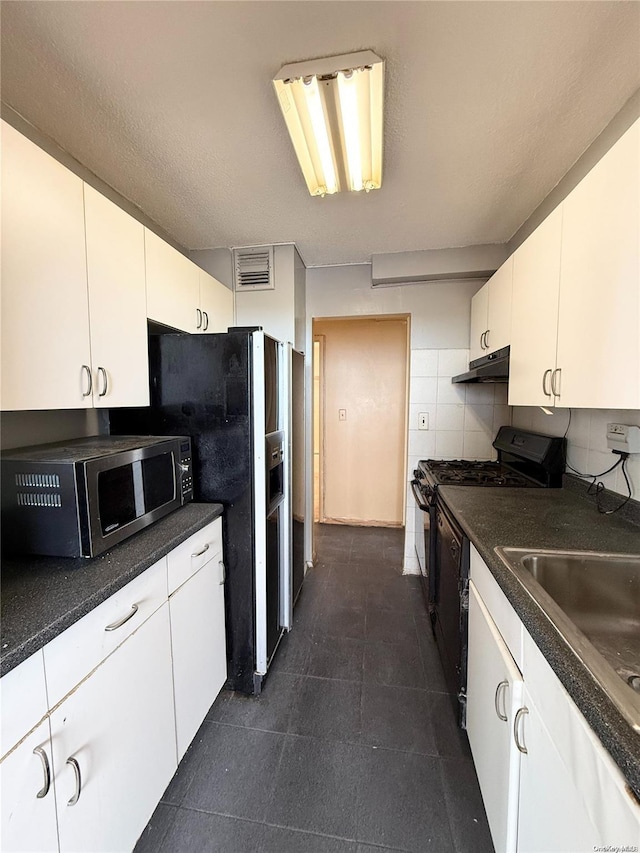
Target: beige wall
(363, 456)
(22, 429)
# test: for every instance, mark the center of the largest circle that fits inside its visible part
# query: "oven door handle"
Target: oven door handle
(417, 494)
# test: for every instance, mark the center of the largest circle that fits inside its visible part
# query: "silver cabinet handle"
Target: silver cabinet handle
(200, 553)
(555, 389)
(87, 370)
(105, 381)
(199, 315)
(224, 573)
(545, 376)
(486, 338)
(206, 321)
(520, 713)
(120, 622)
(77, 792)
(501, 687)
(42, 755)
(482, 341)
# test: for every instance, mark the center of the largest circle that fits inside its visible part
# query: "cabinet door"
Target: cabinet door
(599, 322)
(499, 311)
(173, 286)
(552, 816)
(199, 647)
(119, 726)
(28, 805)
(536, 290)
(479, 319)
(45, 328)
(494, 691)
(216, 304)
(117, 304)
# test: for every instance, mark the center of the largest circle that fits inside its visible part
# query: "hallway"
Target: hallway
(352, 746)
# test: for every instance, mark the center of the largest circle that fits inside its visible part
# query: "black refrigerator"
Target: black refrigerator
(227, 392)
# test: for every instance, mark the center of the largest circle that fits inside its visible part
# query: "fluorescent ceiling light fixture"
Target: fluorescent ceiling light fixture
(333, 111)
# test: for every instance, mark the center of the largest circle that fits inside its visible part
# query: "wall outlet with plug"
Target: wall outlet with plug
(623, 439)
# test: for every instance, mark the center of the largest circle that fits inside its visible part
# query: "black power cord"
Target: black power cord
(596, 488)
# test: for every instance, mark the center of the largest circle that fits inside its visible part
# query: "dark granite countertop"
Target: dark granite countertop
(42, 596)
(552, 518)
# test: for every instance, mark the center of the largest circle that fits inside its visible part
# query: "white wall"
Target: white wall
(587, 450)
(22, 429)
(462, 419)
(274, 310)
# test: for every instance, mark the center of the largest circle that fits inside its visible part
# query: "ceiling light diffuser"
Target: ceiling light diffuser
(333, 111)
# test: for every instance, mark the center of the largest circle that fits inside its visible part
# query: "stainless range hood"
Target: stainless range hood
(490, 368)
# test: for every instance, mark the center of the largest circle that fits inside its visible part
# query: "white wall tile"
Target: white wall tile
(423, 390)
(501, 392)
(449, 417)
(422, 443)
(477, 445)
(449, 445)
(481, 393)
(578, 459)
(479, 419)
(449, 393)
(424, 362)
(452, 361)
(633, 473)
(501, 417)
(580, 428)
(599, 461)
(598, 429)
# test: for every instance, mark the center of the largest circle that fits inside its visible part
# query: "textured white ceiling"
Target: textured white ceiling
(488, 104)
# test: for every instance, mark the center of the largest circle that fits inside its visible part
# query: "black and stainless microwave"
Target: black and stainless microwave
(78, 498)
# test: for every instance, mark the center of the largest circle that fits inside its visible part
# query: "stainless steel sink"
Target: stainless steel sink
(593, 600)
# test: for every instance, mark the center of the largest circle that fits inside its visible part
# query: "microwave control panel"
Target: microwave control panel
(186, 471)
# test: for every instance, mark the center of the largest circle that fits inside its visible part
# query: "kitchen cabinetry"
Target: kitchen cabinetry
(599, 308)
(494, 694)
(216, 304)
(536, 291)
(576, 299)
(559, 789)
(117, 304)
(74, 331)
(491, 313)
(46, 350)
(196, 583)
(180, 294)
(28, 813)
(118, 725)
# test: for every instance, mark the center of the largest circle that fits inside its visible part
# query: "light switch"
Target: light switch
(423, 420)
(342, 414)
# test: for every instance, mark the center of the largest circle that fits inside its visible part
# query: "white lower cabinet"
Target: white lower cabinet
(551, 815)
(548, 784)
(28, 804)
(113, 744)
(199, 647)
(494, 694)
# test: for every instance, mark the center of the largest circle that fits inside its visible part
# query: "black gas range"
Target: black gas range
(525, 460)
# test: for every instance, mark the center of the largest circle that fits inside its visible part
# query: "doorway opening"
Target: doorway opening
(360, 394)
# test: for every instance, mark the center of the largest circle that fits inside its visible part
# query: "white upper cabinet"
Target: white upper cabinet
(117, 304)
(536, 289)
(173, 286)
(491, 313)
(46, 353)
(479, 322)
(599, 316)
(216, 304)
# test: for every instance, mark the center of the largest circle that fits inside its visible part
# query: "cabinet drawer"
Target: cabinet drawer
(195, 552)
(23, 700)
(502, 613)
(79, 649)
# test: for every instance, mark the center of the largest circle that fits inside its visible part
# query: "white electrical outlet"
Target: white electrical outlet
(624, 439)
(423, 420)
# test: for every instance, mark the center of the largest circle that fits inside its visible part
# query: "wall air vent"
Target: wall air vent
(253, 268)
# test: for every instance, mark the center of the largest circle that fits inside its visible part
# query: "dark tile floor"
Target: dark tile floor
(352, 746)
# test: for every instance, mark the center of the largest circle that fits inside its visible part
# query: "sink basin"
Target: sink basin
(593, 600)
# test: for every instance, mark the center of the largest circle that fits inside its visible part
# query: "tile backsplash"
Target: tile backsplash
(463, 419)
(587, 451)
